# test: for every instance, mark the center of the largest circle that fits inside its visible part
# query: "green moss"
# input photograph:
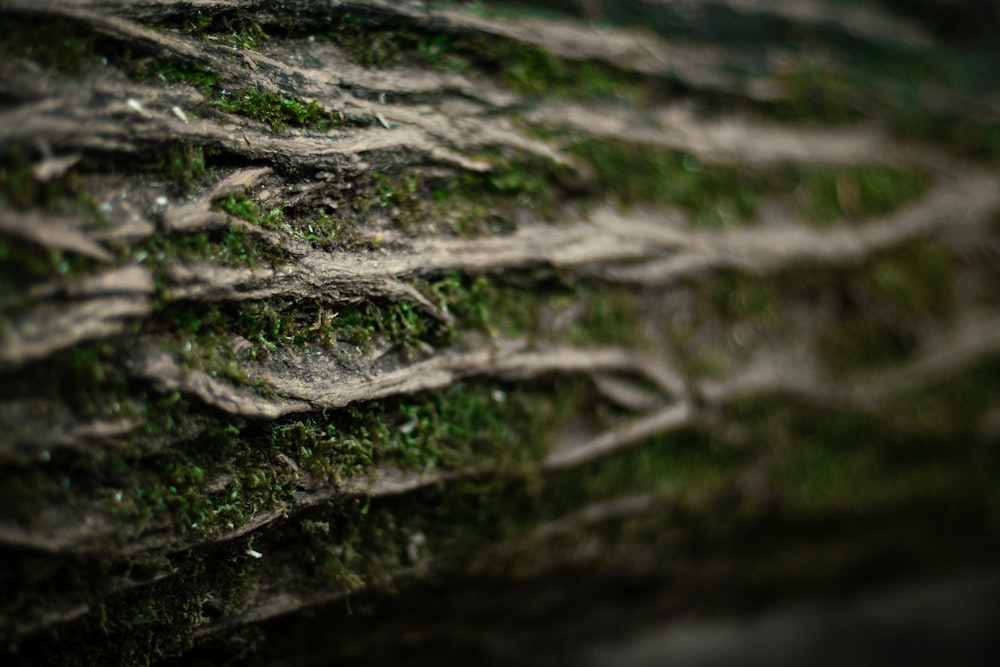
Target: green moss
(23, 263)
(184, 166)
(20, 189)
(714, 195)
(683, 464)
(480, 425)
(950, 408)
(400, 323)
(610, 316)
(736, 297)
(201, 339)
(826, 196)
(579, 314)
(524, 68)
(892, 297)
(818, 95)
(336, 448)
(232, 28)
(534, 72)
(229, 246)
(723, 195)
(172, 72)
(56, 44)
(897, 92)
(978, 139)
(471, 204)
(275, 110)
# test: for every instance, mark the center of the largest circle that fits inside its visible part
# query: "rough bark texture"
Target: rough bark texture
(379, 330)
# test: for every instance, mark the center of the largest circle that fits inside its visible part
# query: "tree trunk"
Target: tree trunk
(382, 330)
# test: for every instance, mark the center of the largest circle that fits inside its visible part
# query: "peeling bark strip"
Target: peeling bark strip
(304, 303)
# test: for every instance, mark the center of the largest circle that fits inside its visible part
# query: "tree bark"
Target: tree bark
(388, 330)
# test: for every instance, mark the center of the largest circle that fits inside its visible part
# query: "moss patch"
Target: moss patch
(723, 195)
(275, 110)
(57, 45)
(471, 204)
(183, 165)
(888, 302)
(524, 68)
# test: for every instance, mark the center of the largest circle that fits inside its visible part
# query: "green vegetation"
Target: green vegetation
(275, 110)
(482, 425)
(471, 204)
(229, 246)
(230, 28)
(797, 492)
(183, 165)
(244, 208)
(22, 262)
(170, 72)
(889, 298)
(400, 323)
(826, 195)
(899, 97)
(57, 45)
(20, 188)
(578, 314)
(524, 68)
(959, 403)
(723, 195)
(67, 50)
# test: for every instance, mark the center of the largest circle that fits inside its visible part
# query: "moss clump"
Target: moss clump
(817, 95)
(243, 207)
(826, 196)
(953, 408)
(686, 463)
(470, 204)
(58, 45)
(722, 195)
(233, 247)
(231, 28)
(172, 72)
(400, 323)
(714, 195)
(524, 68)
(736, 297)
(20, 188)
(480, 425)
(897, 96)
(202, 341)
(578, 314)
(889, 300)
(275, 110)
(534, 72)
(183, 165)
(296, 325)
(23, 264)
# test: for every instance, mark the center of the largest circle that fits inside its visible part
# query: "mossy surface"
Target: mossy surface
(60, 46)
(523, 68)
(885, 303)
(275, 110)
(758, 496)
(184, 166)
(725, 195)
